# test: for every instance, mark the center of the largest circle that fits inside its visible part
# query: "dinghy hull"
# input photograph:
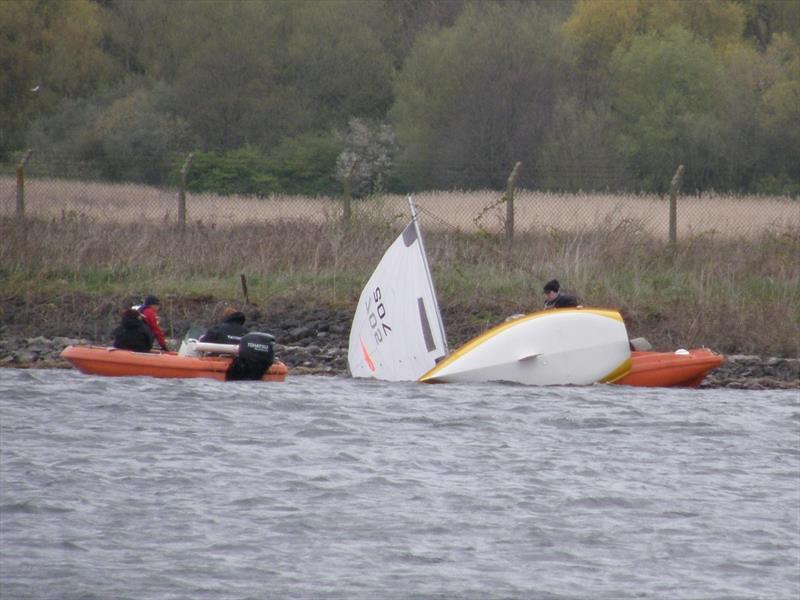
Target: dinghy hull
(558, 347)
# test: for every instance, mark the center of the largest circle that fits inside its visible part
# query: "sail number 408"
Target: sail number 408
(377, 316)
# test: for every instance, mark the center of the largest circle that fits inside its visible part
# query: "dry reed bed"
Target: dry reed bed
(466, 211)
(727, 294)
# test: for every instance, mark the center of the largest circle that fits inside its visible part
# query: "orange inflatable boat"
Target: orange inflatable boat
(102, 360)
(682, 368)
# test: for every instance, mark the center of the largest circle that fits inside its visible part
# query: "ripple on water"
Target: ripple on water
(337, 488)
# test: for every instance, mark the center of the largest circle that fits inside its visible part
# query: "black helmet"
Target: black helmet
(150, 300)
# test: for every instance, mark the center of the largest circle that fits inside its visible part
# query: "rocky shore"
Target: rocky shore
(315, 342)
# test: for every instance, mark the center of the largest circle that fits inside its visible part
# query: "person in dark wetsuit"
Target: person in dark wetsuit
(555, 299)
(229, 331)
(256, 353)
(132, 333)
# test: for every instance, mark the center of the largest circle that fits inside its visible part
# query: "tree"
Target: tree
(598, 27)
(410, 17)
(138, 142)
(48, 51)
(260, 72)
(367, 157)
(766, 18)
(579, 151)
(667, 91)
(778, 112)
(336, 60)
(225, 83)
(476, 97)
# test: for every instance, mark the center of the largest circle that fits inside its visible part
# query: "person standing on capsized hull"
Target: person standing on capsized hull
(555, 299)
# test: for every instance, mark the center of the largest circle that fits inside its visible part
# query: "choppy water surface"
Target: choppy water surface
(335, 488)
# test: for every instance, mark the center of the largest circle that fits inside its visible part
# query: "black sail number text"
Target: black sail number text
(376, 310)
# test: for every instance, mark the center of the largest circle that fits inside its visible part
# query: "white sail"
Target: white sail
(397, 332)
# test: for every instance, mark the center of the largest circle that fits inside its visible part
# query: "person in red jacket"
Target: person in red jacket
(149, 312)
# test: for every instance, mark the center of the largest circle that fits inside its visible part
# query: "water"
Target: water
(335, 488)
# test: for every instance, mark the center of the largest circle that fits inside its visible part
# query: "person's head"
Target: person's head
(151, 301)
(231, 314)
(131, 318)
(551, 289)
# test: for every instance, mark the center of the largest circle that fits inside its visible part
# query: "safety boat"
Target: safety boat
(251, 359)
(682, 368)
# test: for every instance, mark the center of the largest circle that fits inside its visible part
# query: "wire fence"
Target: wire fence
(502, 212)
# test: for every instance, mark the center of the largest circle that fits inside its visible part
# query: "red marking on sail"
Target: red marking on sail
(367, 357)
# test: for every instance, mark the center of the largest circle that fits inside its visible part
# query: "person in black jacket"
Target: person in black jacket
(132, 333)
(555, 299)
(229, 331)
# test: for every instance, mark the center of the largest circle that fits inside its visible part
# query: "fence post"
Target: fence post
(243, 279)
(347, 196)
(512, 180)
(21, 184)
(674, 186)
(182, 192)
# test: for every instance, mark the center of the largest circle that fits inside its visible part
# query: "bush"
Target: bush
(306, 165)
(778, 185)
(303, 165)
(240, 171)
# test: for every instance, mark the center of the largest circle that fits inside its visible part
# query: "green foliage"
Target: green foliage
(765, 18)
(48, 51)
(777, 184)
(135, 141)
(120, 135)
(586, 94)
(337, 63)
(306, 165)
(778, 112)
(577, 154)
(223, 85)
(303, 165)
(474, 98)
(241, 171)
(599, 28)
(667, 98)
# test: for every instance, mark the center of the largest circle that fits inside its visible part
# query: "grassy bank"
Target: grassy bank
(735, 295)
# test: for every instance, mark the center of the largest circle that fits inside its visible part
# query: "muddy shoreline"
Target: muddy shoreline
(308, 340)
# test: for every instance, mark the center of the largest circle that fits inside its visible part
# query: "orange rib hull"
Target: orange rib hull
(669, 369)
(101, 360)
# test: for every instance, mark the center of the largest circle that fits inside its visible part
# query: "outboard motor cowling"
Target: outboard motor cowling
(256, 355)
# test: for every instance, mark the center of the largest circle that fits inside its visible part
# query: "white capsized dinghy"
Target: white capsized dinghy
(398, 335)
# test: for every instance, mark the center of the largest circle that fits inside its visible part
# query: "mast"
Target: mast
(428, 272)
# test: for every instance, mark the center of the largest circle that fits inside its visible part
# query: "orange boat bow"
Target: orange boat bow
(671, 369)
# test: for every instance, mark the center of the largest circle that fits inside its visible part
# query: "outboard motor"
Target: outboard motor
(256, 355)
